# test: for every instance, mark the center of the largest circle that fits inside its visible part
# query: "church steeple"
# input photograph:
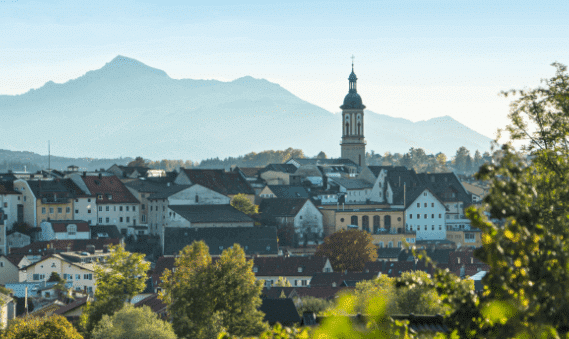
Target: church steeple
(353, 142)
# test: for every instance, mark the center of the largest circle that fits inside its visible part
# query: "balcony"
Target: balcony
(52, 200)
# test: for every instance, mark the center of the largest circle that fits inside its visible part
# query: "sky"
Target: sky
(414, 59)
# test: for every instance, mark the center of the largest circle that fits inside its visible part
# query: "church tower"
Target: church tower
(353, 143)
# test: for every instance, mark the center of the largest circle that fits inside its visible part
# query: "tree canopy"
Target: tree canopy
(131, 322)
(348, 250)
(243, 204)
(119, 279)
(138, 162)
(53, 327)
(207, 298)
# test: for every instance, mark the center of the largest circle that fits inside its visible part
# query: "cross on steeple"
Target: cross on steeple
(353, 62)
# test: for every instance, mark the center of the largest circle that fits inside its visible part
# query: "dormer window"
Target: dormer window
(300, 269)
(100, 196)
(71, 229)
(255, 269)
(110, 196)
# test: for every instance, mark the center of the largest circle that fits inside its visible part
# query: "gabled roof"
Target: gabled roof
(278, 207)
(251, 172)
(162, 264)
(388, 253)
(352, 184)
(275, 292)
(60, 226)
(109, 185)
(321, 292)
(328, 279)
(404, 183)
(168, 191)
(5, 189)
(210, 213)
(288, 266)
(72, 187)
(42, 187)
(280, 310)
(105, 231)
(152, 301)
(376, 170)
(147, 186)
(284, 168)
(287, 191)
(424, 323)
(85, 266)
(254, 240)
(14, 259)
(71, 306)
(313, 161)
(227, 183)
(441, 183)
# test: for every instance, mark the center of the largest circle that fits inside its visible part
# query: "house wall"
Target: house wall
(295, 281)
(81, 208)
(8, 272)
(343, 219)
(157, 212)
(308, 221)
(9, 203)
(111, 214)
(356, 196)
(434, 222)
(392, 240)
(28, 200)
(205, 197)
(459, 238)
(18, 240)
(144, 202)
(61, 267)
(276, 178)
(3, 241)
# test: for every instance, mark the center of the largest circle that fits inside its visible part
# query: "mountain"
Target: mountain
(127, 108)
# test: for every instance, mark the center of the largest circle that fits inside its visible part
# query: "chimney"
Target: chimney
(91, 249)
(105, 248)
(84, 174)
(100, 175)
(68, 248)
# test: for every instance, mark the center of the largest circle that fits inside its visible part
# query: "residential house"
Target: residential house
(227, 183)
(252, 175)
(115, 203)
(7, 310)
(307, 173)
(142, 189)
(105, 232)
(84, 203)
(425, 214)
(17, 240)
(10, 204)
(44, 200)
(3, 241)
(278, 174)
(10, 268)
(355, 191)
(281, 310)
(69, 229)
(74, 309)
(80, 274)
(299, 220)
(325, 196)
(195, 216)
(135, 172)
(283, 191)
(337, 279)
(155, 303)
(58, 246)
(465, 237)
(253, 240)
(478, 192)
(297, 270)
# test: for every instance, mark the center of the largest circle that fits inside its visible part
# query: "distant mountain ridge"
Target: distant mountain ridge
(127, 108)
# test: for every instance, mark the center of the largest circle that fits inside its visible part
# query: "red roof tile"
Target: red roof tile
(60, 226)
(113, 191)
(71, 306)
(152, 301)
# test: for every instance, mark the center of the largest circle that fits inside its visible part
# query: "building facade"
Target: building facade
(353, 144)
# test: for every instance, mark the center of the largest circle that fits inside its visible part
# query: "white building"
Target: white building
(425, 215)
(9, 201)
(68, 229)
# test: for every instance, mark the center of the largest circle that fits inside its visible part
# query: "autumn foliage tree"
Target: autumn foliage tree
(54, 327)
(348, 250)
(243, 204)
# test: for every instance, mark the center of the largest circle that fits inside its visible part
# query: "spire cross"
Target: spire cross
(353, 62)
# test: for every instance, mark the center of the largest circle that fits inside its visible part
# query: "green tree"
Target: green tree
(208, 298)
(243, 204)
(462, 161)
(283, 282)
(441, 159)
(313, 305)
(119, 279)
(54, 277)
(54, 327)
(133, 322)
(22, 227)
(138, 162)
(348, 250)
(321, 155)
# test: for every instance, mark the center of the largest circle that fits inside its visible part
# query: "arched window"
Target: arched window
(354, 220)
(381, 244)
(347, 128)
(390, 244)
(365, 223)
(387, 222)
(359, 128)
(376, 225)
(399, 244)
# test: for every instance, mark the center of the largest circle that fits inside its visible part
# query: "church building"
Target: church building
(353, 144)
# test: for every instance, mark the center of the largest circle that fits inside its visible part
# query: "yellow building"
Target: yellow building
(82, 275)
(44, 200)
(468, 238)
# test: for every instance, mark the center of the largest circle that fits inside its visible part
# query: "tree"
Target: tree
(441, 162)
(313, 305)
(133, 322)
(243, 204)
(462, 160)
(22, 227)
(206, 298)
(348, 250)
(138, 162)
(283, 282)
(54, 327)
(321, 155)
(119, 279)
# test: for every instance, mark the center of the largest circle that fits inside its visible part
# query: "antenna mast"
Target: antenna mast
(48, 156)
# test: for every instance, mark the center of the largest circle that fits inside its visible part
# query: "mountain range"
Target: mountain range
(127, 108)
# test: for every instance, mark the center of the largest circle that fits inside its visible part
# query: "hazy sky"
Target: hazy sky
(414, 59)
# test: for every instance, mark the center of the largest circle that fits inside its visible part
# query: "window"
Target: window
(433, 228)
(432, 216)
(418, 205)
(71, 229)
(425, 204)
(134, 208)
(440, 216)
(354, 220)
(143, 207)
(101, 220)
(341, 219)
(76, 200)
(411, 228)
(89, 200)
(120, 208)
(89, 211)
(163, 208)
(76, 211)
(107, 208)
(43, 210)
(197, 198)
(380, 244)
(50, 209)
(390, 244)
(301, 217)
(25, 198)
(440, 228)
(127, 219)
(418, 216)
(127, 208)
(432, 204)
(143, 218)
(100, 208)
(77, 276)
(300, 269)
(107, 219)
(120, 219)
(399, 244)
(100, 196)
(255, 269)
(150, 208)
(426, 216)
(60, 210)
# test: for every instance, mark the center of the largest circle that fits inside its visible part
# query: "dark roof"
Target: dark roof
(352, 183)
(162, 264)
(276, 292)
(227, 183)
(327, 279)
(251, 172)
(285, 168)
(254, 240)
(277, 207)
(168, 191)
(289, 266)
(105, 231)
(15, 259)
(287, 191)
(61, 245)
(147, 186)
(42, 187)
(313, 161)
(321, 292)
(73, 188)
(388, 253)
(152, 301)
(377, 169)
(281, 311)
(424, 323)
(127, 170)
(60, 226)
(404, 183)
(71, 306)
(109, 185)
(443, 183)
(210, 213)
(7, 188)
